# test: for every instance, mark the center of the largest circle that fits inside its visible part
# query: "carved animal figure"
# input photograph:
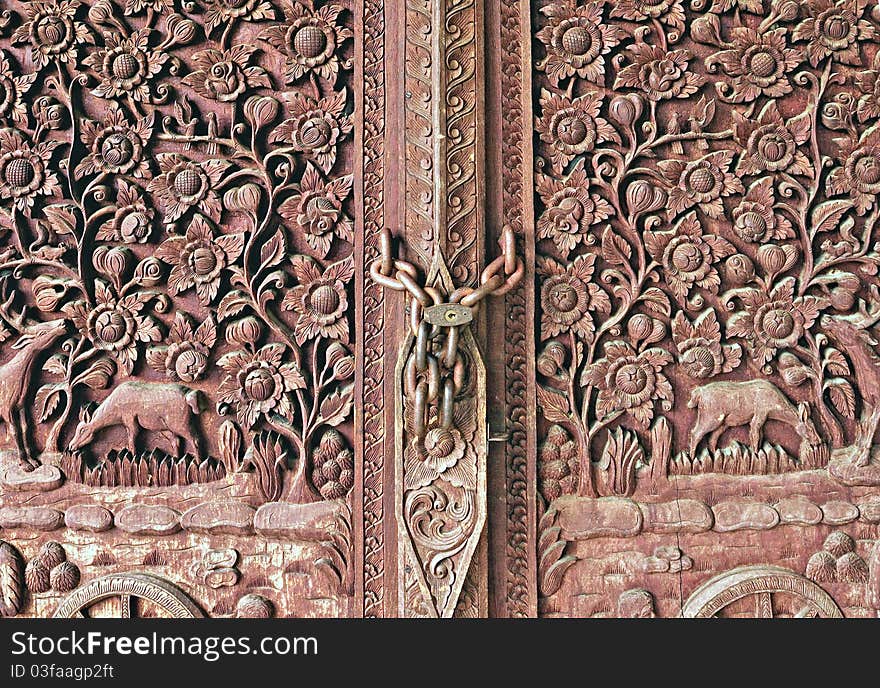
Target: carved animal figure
(853, 337)
(16, 376)
(723, 405)
(166, 408)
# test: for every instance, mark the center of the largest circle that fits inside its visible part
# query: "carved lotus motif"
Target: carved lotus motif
(309, 39)
(219, 12)
(758, 62)
(12, 89)
(185, 184)
(755, 220)
(701, 353)
(859, 174)
(629, 381)
(569, 209)
(702, 182)
(319, 302)
(576, 41)
(224, 75)
(834, 29)
(316, 127)
(770, 144)
(568, 296)
(572, 126)
(443, 453)
(314, 209)
(52, 32)
(24, 169)
(688, 255)
(773, 320)
(115, 146)
(670, 12)
(259, 384)
(199, 259)
(660, 74)
(185, 357)
(132, 221)
(125, 66)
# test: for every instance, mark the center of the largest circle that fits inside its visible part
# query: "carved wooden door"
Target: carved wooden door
(439, 308)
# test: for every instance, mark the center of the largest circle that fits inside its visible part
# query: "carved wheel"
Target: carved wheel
(126, 596)
(761, 592)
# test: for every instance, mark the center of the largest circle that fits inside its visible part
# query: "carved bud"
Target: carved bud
(793, 372)
(644, 197)
(36, 576)
(112, 261)
(643, 328)
(148, 273)
(48, 292)
(183, 30)
(260, 110)
(786, 9)
(707, 29)
(49, 113)
(51, 554)
(775, 259)
(244, 198)
(625, 109)
(101, 12)
(64, 577)
(739, 269)
(342, 362)
(253, 606)
(229, 444)
(837, 114)
(244, 332)
(551, 358)
(842, 299)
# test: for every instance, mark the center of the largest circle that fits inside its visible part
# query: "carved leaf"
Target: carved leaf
(553, 405)
(274, 250)
(99, 374)
(615, 250)
(337, 406)
(826, 216)
(842, 396)
(835, 362)
(46, 400)
(232, 304)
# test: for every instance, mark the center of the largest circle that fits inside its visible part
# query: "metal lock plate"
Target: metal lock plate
(448, 315)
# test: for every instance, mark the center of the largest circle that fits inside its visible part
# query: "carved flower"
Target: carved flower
(52, 31)
(754, 219)
(770, 143)
(834, 28)
(688, 255)
(443, 453)
(659, 73)
(225, 75)
(199, 259)
(315, 210)
(219, 12)
(576, 40)
(557, 464)
(753, 6)
(758, 62)
(860, 173)
(12, 88)
(115, 147)
(24, 169)
(629, 381)
(319, 302)
(572, 127)
(310, 39)
(701, 182)
(132, 221)
(186, 355)
(116, 325)
(774, 320)
(125, 66)
(701, 353)
(570, 209)
(186, 184)
(670, 12)
(333, 461)
(316, 127)
(568, 297)
(259, 384)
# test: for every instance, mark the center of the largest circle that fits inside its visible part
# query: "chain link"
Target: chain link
(429, 378)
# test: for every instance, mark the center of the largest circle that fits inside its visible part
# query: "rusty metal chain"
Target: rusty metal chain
(429, 377)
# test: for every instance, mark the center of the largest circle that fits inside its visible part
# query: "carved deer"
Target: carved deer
(169, 409)
(723, 405)
(852, 335)
(16, 375)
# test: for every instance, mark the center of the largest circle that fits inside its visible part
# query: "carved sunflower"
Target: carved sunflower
(184, 184)
(309, 39)
(115, 146)
(24, 169)
(835, 29)
(316, 127)
(132, 222)
(125, 66)
(185, 357)
(770, 143)
(698, 343)
(568, 297)
(576, 41)
(660, 74)
(702, 183)
(12, 90)
(319, 301)
(859, 175)
(52, 31)
(199, 259)
(314, 209)
(224, 75)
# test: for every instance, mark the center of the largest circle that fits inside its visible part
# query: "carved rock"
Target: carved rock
(869, 510)
(90, 518)
(838, 513)
(585, 518)
(213, 518)
(143, 519)
(798, 510)
(844, 469)
(42, 479)
(682, 516)
(310, 522)
(736, 515)
(36, 517)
